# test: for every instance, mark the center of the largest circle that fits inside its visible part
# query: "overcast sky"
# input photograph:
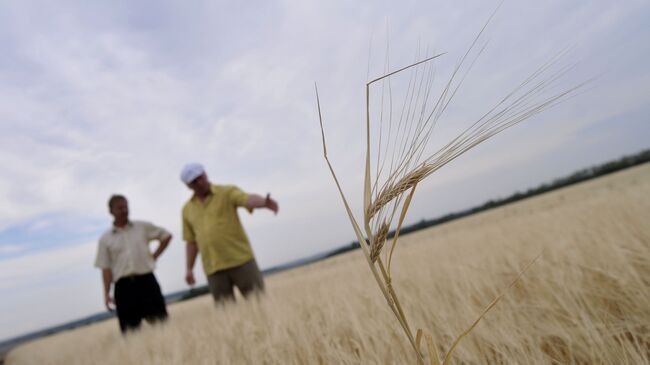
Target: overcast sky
(114, 97)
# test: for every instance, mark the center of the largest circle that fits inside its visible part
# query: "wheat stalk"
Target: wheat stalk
(384, 193)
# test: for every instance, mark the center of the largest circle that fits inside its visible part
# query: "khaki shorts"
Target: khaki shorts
(247, 278)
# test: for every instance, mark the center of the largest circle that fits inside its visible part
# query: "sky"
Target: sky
(111, 97)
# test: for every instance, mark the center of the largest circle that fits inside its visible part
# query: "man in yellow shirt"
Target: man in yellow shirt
(211, 226)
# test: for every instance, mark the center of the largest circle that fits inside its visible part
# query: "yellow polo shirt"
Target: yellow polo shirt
(215, 227)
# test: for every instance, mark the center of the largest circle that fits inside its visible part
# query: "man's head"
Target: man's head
(119, 208)
(194, 176)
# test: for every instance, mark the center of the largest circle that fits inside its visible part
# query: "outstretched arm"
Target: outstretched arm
(191, 250)
(257, 201)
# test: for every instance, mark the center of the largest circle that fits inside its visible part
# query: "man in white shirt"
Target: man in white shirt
(124, 257)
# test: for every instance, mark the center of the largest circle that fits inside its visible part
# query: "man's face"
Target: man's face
(120, 210)
(200, 185)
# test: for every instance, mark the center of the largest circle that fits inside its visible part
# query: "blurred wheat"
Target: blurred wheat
(585, 301)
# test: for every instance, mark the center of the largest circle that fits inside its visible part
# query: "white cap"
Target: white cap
(191, 171)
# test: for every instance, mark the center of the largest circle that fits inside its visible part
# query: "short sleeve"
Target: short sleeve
(238, 197)
(188, 231)
(103, 258)
(154, 232)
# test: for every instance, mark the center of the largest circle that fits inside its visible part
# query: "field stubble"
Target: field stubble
(585, 301)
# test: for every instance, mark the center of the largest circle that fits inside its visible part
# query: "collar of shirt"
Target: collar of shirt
(213, 190)
(118, 229)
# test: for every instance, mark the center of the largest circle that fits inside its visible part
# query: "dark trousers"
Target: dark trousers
(138, 297)
(247, 278)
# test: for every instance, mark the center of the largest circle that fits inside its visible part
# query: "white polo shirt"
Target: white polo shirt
(125, 250)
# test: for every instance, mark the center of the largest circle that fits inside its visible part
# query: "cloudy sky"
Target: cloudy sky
(105, 97)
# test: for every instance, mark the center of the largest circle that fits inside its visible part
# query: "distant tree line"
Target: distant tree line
(195, 292)
(576, 177)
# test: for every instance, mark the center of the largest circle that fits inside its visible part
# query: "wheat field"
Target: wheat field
(586, 300)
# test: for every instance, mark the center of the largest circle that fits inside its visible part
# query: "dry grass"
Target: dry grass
(585, 301)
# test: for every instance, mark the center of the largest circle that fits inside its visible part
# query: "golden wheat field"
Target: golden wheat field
(586, 300)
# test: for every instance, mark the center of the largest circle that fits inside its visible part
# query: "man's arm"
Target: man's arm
(191, 250)
(162, 246)
(107, 279)
(257, 201)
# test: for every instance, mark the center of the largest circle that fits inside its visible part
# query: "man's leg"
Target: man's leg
(153, 303)
(126, 305)
(220, 286)
(248, 278)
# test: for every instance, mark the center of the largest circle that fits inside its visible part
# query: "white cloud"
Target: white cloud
(26, 271)
(10, 249)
